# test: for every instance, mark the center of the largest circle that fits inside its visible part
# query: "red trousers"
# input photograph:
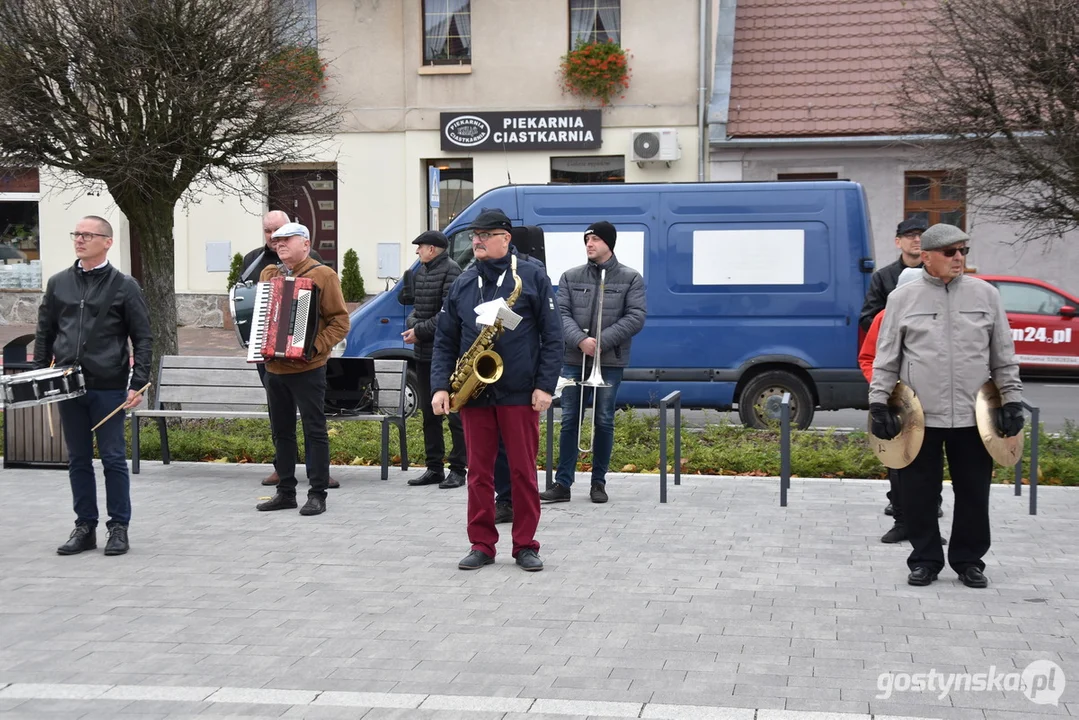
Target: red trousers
(518, 426)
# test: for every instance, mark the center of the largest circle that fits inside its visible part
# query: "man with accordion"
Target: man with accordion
(299, 383)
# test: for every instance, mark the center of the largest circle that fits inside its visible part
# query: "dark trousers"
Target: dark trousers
(77, 416)
(433, 440)
(503, 489)
(285, 394)
(895, 496)
(518, 428)
(971, 470)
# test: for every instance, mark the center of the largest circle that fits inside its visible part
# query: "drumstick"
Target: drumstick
(48, 410)
(120, 407)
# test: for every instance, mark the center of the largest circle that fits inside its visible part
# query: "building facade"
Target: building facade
(404, 71)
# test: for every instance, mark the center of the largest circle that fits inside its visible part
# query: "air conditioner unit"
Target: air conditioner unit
(655, 145)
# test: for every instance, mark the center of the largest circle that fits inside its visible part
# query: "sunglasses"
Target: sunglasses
(950, 252)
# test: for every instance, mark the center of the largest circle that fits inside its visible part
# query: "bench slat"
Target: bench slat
(235, 415)
(206, 362)
(240, 377)
(221, 395)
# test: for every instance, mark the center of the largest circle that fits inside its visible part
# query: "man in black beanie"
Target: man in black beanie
(623, 317)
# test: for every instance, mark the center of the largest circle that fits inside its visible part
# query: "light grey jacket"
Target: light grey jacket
(945, 340)
(623, 310)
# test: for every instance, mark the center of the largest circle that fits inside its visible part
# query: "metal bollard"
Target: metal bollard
(675, 399)
(784, 448)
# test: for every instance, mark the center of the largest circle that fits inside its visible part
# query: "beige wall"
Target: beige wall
(392, 111)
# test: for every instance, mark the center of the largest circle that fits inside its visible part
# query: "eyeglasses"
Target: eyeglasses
(481, 236)
(950, 252)
(87, 235)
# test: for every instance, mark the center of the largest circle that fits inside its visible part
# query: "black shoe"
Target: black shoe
(529, 560)
(278, 502)
(974, 578)
(503, 513)
(598, 493)
(82, 538)
(454, 480)
(889, 510)
(475, 560)
(314, 506)
(431, 477)
(940, 511)
(557, 493)
(898, 533)
(117, 542)
(921, 576)
(333, 484)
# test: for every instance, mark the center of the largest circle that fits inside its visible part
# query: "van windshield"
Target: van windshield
(461, 248)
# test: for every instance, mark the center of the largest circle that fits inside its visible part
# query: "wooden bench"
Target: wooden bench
(198, 386)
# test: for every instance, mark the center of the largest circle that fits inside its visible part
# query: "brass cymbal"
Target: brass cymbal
(901, 450)
(1006, 451)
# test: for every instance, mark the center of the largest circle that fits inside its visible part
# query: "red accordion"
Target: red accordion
(285, 320)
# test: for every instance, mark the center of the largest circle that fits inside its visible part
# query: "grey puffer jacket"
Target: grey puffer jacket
(623, 310)
(432, 282)
(945, 340)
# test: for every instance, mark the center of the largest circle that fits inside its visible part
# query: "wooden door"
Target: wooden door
(309, 197)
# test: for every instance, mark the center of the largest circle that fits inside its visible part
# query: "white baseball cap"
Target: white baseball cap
(290, 229)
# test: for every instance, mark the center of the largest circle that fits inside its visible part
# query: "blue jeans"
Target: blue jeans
(603, 442)
(77, 416)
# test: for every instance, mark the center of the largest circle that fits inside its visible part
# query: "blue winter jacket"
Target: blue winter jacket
(531, 353)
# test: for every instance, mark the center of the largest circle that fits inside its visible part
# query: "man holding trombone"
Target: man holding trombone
(603, 306)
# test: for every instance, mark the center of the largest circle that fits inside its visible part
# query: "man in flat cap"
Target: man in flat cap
(945, 335)
(623, 310)
(431, 283)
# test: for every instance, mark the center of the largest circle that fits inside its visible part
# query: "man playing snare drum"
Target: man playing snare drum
(70, 332)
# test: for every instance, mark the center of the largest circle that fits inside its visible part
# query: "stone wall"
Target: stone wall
(19, 307)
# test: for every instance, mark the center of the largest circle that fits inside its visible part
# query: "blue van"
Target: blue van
(753, 289)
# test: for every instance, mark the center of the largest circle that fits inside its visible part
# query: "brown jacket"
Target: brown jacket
(333, 316)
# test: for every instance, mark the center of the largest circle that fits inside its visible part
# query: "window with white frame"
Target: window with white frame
(447, 32)
(594, 21)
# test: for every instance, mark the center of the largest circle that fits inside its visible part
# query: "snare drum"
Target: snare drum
(242, 308)
(38, 387)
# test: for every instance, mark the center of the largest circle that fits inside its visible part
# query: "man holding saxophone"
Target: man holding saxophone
(608, 297)
(505, 380)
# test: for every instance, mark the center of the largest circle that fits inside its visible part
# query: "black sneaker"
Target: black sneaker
(82, 538)
(898, 533)
(117, 542)
(279, 501)
(431, 477)
(475, 560)
(598, 493)
(314, 506)
(454, 480)
(529, 561)
(557, 493)
(503, 513)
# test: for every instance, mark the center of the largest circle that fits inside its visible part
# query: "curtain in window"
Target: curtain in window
(587, 17)
(610, 15)
(582, 21)
(440, 15)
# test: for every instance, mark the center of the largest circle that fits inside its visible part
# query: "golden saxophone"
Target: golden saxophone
(481, 365)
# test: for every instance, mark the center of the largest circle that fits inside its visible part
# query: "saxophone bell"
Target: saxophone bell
(486, 368)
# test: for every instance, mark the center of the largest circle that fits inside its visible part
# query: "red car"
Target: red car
(1044, 323)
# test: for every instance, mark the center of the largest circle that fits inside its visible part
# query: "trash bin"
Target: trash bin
(31, 440)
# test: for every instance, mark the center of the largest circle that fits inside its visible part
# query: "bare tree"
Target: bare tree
(155, 99)
(998, 82)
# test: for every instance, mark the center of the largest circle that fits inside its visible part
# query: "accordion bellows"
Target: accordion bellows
(285, 320)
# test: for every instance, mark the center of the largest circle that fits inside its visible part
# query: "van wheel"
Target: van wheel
(759, 403)
(411, 393)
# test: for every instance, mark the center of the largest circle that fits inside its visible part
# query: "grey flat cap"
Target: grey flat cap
(942, 235)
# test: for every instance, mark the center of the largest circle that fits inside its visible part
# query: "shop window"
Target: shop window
(20, 248)
(936, 197)
(447, 32)
(589, 169)
(455, 191)
(594, 21)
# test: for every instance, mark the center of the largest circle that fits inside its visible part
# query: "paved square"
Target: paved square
(719, 604)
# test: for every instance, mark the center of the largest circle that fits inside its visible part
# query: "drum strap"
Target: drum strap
(253, 265)
(110, 295)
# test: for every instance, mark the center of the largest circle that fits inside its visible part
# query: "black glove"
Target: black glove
(1010, 419)
(885, 422)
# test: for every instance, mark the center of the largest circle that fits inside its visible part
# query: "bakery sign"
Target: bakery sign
(523, 130)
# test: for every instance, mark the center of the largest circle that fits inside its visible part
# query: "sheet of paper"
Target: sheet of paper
(488, 312)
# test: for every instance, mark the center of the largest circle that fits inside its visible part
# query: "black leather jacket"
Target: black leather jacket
(880, 287)
(68, 314)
